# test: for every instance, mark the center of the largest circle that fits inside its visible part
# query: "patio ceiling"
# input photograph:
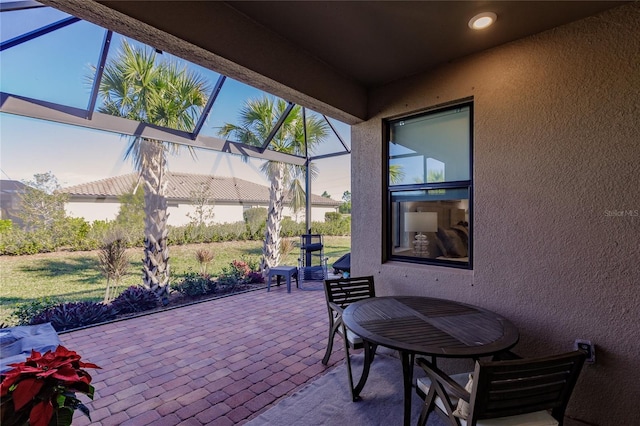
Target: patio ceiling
(327, 55)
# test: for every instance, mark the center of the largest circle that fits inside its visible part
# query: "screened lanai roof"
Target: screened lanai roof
(52, 65)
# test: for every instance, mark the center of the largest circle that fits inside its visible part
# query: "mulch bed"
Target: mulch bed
(177, 299)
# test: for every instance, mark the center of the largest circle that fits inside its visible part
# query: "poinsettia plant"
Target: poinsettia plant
(41, 391)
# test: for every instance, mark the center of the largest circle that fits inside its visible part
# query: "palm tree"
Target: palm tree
(138, 86)
(396, 173)
(256, 119)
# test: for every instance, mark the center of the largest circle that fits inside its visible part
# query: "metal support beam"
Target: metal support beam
(106, 43)
(209, 105)
(275, 129)
(333, 154)
(346, 148)
(42, 110)
(38, 32)
(307, 170)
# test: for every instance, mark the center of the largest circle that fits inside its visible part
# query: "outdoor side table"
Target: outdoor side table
(283, 271)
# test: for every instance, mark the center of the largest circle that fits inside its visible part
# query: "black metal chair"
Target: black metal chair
(340, 293)
(312, 264)
(532, 391)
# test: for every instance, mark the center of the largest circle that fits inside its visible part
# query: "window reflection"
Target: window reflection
(429, 178)
(421, 148)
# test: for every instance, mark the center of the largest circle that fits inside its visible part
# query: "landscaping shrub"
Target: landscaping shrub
(256, 220)
(341, 226)
(67, 316)
(131, 215)
(25, 312)
(17, 241)
(239, 272)
(255, 278)
(98, 232)
(332, 217)
(227, 282)
(290, 228)
(76, 234)
(217, 232)
(5, 225)
(135, 299)
(241, 268)
(194, 285)
(231, 231)
(71, 232)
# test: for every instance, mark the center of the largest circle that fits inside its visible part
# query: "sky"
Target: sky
(57, 68)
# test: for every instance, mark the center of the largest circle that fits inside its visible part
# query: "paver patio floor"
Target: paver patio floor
(219, 362)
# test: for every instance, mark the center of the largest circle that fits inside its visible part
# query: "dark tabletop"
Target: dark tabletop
(429, 326)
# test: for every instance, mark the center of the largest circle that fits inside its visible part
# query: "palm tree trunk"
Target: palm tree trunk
(155, 265)
(271, 248)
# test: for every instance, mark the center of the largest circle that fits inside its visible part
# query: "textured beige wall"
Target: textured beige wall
(556, 153)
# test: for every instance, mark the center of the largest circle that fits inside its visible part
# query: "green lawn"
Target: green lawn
(74, 276)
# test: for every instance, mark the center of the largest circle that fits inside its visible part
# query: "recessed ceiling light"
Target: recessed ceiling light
(482, 20)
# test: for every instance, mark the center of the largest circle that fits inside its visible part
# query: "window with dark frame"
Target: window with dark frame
(430, 187)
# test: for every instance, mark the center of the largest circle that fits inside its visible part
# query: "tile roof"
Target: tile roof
(182, 186)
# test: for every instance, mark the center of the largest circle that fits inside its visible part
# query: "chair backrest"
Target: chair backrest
(344, 291)
(312, 256)
(311, 241)
(507, 388)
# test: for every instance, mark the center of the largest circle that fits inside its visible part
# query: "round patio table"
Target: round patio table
(426, 326)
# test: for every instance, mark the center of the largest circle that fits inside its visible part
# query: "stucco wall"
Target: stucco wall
(98, 210)
(556, 159)
(108, 210)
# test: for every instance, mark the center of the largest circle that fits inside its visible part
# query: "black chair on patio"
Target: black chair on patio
(340, 293)
(343, 264)
(312, 263)
(532, 391)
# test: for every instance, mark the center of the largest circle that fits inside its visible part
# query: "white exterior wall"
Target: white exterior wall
(97, 210)
(317, 213)
(223, 213)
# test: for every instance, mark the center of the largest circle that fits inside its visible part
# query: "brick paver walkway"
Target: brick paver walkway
(220, 362)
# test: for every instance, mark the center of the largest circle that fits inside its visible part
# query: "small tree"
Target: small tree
(204, 257)
(325, 194)
(286, 246)
(42, 206)
(203, 204)
(345, 207)
(114, 263)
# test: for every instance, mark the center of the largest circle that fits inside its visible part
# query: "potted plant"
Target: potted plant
(41, 391)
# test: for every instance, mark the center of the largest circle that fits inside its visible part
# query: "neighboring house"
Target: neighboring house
(10, 199)
(229, 197)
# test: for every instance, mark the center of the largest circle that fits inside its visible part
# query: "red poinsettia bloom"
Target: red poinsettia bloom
(39, 382)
